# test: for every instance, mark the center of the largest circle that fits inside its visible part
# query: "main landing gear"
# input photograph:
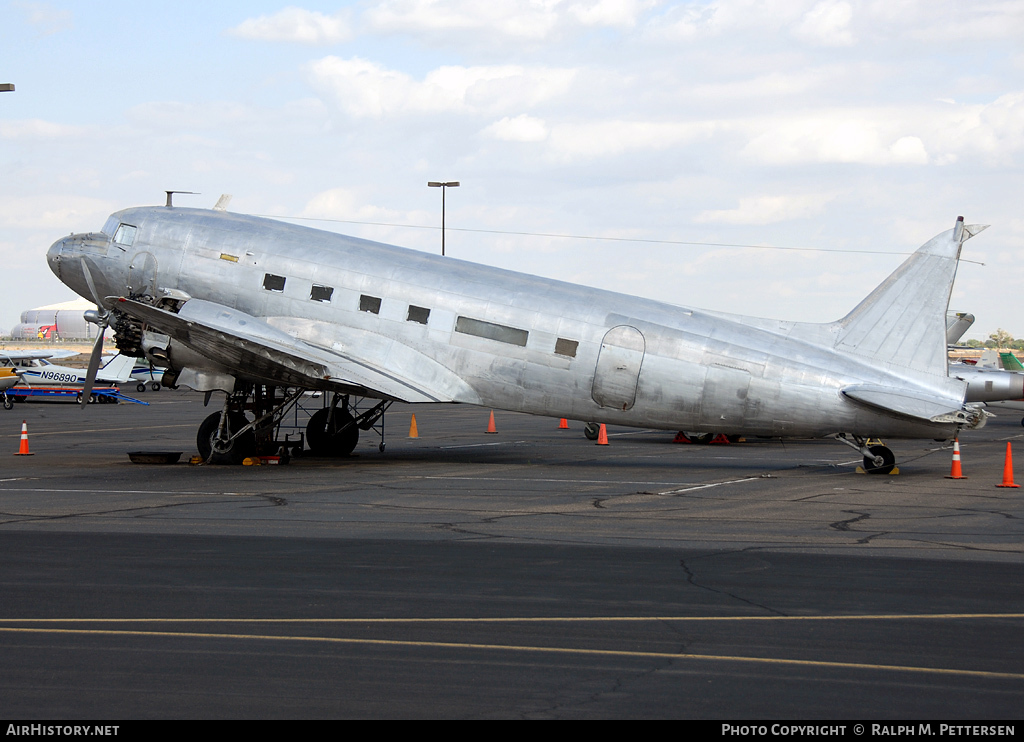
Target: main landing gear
(334, 430)
(228, 436)
(878, 459)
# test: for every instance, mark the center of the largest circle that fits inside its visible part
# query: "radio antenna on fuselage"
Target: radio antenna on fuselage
(170, 195)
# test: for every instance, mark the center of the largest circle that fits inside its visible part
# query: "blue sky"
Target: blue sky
(827, 124)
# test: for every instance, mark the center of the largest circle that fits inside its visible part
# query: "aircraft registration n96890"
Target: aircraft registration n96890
(256, 308)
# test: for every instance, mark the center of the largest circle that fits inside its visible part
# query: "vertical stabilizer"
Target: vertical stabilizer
(901, 325)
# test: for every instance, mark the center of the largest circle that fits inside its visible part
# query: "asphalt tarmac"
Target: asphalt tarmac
(524, 574)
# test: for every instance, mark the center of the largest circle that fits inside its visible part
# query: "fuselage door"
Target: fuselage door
(618, 367)
(142, 273)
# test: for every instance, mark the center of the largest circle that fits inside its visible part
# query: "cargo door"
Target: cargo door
(618, 368)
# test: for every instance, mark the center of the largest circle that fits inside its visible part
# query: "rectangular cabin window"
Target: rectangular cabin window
(418, 314)
(125, 235)
(369, 304)
(491, 331)
(321, 293)
(565, 347)
(272, 282)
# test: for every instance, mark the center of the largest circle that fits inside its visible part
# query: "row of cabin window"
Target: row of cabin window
(465, 325)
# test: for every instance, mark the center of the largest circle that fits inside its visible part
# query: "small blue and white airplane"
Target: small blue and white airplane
(34, 368)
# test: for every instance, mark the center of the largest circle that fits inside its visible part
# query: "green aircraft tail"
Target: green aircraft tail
(1011, 362)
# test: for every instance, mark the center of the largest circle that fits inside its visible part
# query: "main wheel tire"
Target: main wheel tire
(340, 440)
(140, 387)
(8, 402)
(591, 431)
(237, 451)
(888, 460)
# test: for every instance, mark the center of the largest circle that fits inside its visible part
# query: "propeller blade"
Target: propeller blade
(94, 366)
(92, 286)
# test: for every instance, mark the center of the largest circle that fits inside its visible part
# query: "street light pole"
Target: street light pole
(443, 186)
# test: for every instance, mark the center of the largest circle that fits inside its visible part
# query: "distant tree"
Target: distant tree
(1000, 339)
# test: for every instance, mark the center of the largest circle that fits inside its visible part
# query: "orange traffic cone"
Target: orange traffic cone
(23, 449)
(602, 436)
(490, 424)
(1008, 470)
(955, 472)
(563, 424)
(413, 431)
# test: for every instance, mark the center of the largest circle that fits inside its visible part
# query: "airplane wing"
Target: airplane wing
(251, 347)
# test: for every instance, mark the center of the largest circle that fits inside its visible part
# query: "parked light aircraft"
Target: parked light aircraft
(34, 368)
(250, 306)
(8, 378)
(146, 373)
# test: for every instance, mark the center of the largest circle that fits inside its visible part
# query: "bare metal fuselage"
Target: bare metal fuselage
(588, 354)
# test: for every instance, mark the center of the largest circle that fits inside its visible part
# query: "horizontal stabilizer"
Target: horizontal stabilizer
(912, 403)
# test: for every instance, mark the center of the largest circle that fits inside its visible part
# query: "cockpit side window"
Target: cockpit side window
(125, 235)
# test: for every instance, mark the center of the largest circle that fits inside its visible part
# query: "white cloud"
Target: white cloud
(522, 128)
(579, 140)
(37, 129)
(861, 136)
(343, 203)
(909, 150)
(767, 209)
(366, 89)
(526, 19)
(610, 13)
(827, 24)
(296, 25)
(53, 213)
(44, 16)
(530, 20)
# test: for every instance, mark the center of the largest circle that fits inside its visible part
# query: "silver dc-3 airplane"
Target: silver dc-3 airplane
(264, 310)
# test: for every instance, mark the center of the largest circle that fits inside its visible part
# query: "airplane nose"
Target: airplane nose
(54, 255)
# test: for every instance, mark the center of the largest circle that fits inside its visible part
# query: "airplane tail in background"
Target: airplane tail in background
(901, 325)
(119, 367)
(1010, 362)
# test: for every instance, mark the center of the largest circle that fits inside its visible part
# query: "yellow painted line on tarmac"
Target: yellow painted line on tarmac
(33, 434)
(528, 619)
(630, 654)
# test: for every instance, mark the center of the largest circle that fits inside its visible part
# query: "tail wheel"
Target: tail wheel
(888, 460)
(341, 437)
(232, 453)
